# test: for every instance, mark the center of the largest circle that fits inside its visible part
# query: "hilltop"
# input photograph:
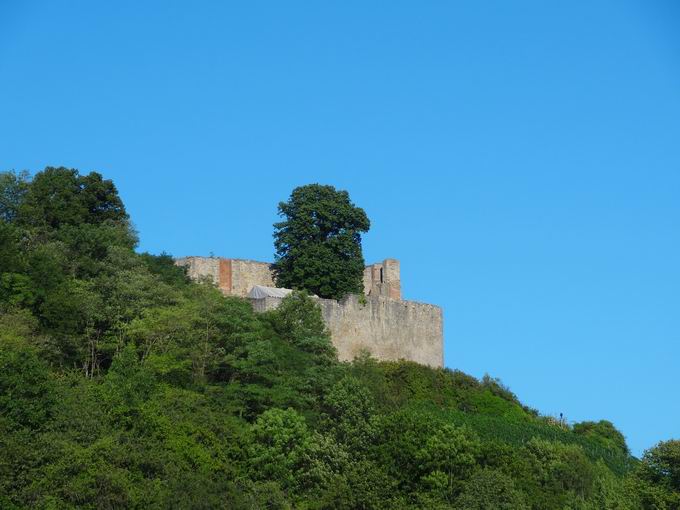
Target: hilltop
(125, 384)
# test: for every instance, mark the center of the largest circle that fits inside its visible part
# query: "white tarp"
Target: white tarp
(260, 292)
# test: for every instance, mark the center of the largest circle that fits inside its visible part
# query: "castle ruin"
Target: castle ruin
(382, 323)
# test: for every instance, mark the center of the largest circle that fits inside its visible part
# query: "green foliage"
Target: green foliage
(13, 187)
(562, 471)
(661, 464)
(298, 320)
(497, 388)
(448, 456)
(318, 244)
(490, 490)
(657, 479)
(11, 259)
(300, 460)
(288, 361)
(125, 385)
(349, 414)
(61, 196)
(164, 267)
(603, 431)
(26, 395)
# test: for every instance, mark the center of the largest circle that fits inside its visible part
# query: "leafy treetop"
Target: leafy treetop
(318, 244)
(61, 196)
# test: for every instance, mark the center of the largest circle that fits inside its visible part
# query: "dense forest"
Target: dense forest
(125, 385)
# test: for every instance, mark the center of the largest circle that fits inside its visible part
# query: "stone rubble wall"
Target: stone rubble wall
(248, 273)
(388, 329)
(234, 277)
(381, 322)
(383, 279)
(201, 267)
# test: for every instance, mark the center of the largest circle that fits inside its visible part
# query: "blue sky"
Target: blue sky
(521, 159)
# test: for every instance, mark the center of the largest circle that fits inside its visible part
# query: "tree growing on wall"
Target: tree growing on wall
(318, 243)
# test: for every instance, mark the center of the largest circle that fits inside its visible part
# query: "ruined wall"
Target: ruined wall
(387, 328)
(201, 267)
(234, 277)
(384, 325)
(383, 279)
(248, 273)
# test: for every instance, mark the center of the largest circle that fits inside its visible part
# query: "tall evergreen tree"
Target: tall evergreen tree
(318, 245)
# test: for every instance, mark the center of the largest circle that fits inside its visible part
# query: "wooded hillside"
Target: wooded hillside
(124, 385)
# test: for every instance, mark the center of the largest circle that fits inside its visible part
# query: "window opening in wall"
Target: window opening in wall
(381, 276)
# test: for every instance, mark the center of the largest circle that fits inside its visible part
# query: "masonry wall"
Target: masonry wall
(248, 273)
(234, 277)
(387, 328)
(201, 267)
(383, 279)
(384, 325)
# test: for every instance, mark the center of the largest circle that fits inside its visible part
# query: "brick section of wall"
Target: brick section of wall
(388, 329)
(225, 284)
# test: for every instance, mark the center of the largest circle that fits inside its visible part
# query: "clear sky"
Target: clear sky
(521, 159)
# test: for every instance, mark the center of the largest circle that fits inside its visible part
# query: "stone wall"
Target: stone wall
(387, 328)
(384, 325)
(248, 273)
(383, 279)
(201, 267)
(234, 277)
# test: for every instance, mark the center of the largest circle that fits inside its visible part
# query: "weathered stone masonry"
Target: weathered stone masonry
(234, 277)
(382, 323)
